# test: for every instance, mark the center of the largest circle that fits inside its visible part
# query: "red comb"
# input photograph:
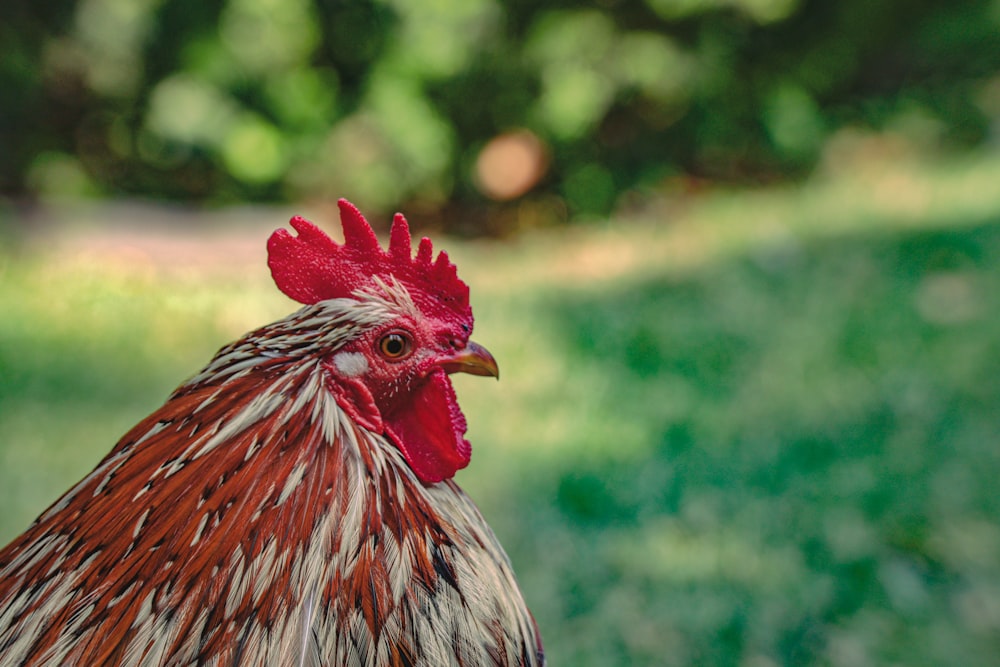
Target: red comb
(312, 267)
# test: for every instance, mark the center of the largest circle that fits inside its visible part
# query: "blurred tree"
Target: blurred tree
(391, 102)
(36, 103)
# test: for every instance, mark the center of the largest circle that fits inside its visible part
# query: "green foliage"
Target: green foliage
(387, 101)
(804, 489)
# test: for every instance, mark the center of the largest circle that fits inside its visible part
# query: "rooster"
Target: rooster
(292, 503)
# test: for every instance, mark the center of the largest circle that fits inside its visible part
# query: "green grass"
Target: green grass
(759, 431)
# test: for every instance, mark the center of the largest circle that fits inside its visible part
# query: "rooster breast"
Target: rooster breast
(426, 583)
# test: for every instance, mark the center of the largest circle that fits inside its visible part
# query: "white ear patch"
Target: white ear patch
(350, 364)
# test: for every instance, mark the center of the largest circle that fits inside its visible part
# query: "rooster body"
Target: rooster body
(292, 504)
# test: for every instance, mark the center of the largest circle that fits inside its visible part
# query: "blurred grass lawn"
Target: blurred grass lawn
(759, 431)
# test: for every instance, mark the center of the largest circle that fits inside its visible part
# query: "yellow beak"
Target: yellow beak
(473, 359)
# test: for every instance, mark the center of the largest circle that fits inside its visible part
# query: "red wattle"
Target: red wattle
(429, 430)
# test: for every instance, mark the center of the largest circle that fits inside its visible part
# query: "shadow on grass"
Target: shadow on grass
(819, 481)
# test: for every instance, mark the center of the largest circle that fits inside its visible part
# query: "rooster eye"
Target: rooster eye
(395, 346)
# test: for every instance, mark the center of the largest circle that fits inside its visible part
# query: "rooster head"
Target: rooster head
(391, 374)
